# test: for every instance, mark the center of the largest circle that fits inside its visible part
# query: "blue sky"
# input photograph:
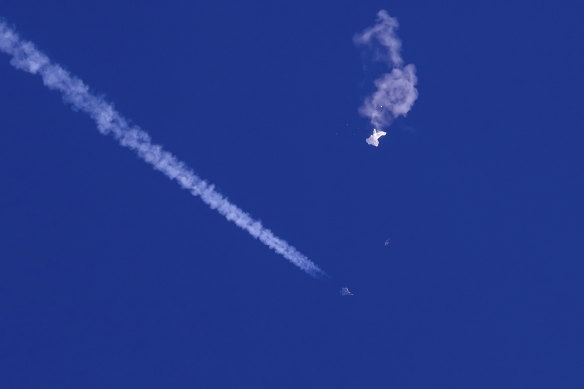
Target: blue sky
(115, 277)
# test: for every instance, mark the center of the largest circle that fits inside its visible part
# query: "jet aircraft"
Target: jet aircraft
(346, 292)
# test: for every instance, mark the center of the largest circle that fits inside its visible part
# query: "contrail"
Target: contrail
(396, 91)
(26, 57)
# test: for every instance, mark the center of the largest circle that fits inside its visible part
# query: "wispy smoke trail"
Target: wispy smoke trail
(396, 91)
(26, 57)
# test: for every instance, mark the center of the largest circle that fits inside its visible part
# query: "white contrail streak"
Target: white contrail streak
(396, 91)
(26, 57)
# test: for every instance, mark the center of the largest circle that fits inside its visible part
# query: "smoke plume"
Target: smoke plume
(395, 91)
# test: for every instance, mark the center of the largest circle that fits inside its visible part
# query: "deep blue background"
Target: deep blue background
(114, 277)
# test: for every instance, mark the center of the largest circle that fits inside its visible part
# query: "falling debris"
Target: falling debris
(373, 139)
(346, 292)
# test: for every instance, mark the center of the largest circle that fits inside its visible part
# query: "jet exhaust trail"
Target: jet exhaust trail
(396, 91)
(26, 57)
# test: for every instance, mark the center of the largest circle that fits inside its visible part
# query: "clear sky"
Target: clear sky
(112, 276)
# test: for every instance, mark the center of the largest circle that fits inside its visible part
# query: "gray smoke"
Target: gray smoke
(396, 90)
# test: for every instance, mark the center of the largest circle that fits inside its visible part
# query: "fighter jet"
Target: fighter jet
(373, 139)
(346, 292)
